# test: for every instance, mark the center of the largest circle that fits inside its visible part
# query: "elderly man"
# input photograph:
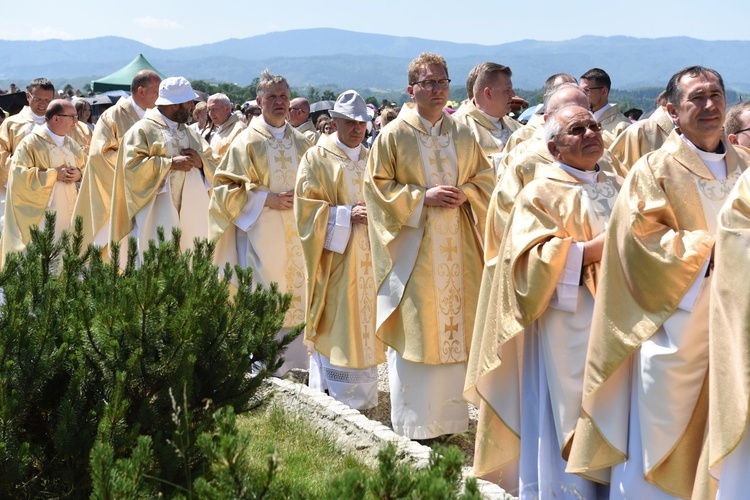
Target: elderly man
(332, 223)
(486, 114)
(737, 124)
(39, 94)
(644, 399)
(45, 166)
(299, 117)
(251, 213)
(226, 125)
(541, 306)
(426, 190)
(95, 198)
(163, 169)
(596, 83)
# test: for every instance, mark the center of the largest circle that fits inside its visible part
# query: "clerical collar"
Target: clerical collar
(276, 132)
(57, 139)
(585, 176)
(172, 125)
(39, 120)
(598, 114)
(431, 129)
(716, 162)
(352, 153)
(138, 110)
(495, 121)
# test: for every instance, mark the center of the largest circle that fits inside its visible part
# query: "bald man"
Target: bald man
(299, 118)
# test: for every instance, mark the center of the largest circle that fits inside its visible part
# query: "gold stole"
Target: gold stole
(439, 164)
(282, 169)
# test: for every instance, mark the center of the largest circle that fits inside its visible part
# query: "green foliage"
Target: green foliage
(236, 93)
(90, 358)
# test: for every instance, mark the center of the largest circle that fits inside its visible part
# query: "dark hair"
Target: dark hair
(142, 79)
(40, 83)
(599, 76)
(485, 74)
(674, 91)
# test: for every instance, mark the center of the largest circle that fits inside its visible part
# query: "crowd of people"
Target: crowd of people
(579, 278)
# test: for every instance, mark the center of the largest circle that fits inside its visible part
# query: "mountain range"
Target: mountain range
(324, 56)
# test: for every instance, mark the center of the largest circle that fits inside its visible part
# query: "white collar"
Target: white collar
(496, 121)
(585, 176)
(277, 132)
(172, 125)
(138, 110)
(352, 153)
(57, 139)
(598, 114)
(716, 162)
(39, 120)
(431, 129)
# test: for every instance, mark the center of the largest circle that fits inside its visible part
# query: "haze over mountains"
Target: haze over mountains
(323, 56)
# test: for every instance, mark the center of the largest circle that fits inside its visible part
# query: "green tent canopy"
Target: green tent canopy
(120, 79)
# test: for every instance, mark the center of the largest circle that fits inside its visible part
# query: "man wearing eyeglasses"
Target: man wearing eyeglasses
(645, 395)
(426, 190)
(737, 124)
(39, 94)
(95, 198)
(299, 117)
(596, 83)
(486, 114)
(44, 169)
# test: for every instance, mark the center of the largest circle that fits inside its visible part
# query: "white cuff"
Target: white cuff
(688, 301)
(339, 228)
(251, 211)
(415, 219)
(565, 297)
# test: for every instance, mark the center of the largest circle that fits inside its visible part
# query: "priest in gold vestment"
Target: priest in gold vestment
(426, 190)
(44, 169)
(332, 223)
(487, 113)
(251, 214)
(225, 125)
(164, 170)
(642, 137)
(645, 384)
(39, 94)
(540, 309)
(95, 198)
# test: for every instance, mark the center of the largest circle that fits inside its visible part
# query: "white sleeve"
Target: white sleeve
(415, 219)
(339, 228)
(565, 297)
(251, 211)
(688, 301)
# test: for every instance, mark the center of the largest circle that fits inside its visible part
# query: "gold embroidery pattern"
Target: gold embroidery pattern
(175, 141)
(717, 189)
(598, 200)
(61, 156)
(282, 166)
(442, 225)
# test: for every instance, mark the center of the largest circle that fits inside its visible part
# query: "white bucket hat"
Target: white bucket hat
(351, 106)
(175, 90)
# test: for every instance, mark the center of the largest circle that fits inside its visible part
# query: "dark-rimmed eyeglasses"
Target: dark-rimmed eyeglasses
(743, 130)
(581, 129)
(69, 116)
(593, 88)
(432, 84)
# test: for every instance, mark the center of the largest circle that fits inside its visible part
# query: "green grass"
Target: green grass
(308, 461)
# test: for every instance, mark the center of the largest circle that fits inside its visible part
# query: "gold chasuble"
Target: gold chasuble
(12, 131)
(428, 260)
(525, 132)
(148, 194)
(82, 136)
(729, 342)
(308, 130)
(222, 137)
(259, 163)
(491, 139)
(33, 187)
(551, 213)
(660, 238)
(642, 137)
(341, 291)
(95, 197)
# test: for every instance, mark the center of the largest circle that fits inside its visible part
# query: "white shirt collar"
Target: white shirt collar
(57, 139)
(172, 125)
(585, 176)
(352, 153)
(495, 121)
(598, 114)
(431, 129)
(138, 110)
(39, 120)
(277, 132)
(716, 162)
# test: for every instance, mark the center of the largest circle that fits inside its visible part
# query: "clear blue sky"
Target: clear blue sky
(172, 23)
